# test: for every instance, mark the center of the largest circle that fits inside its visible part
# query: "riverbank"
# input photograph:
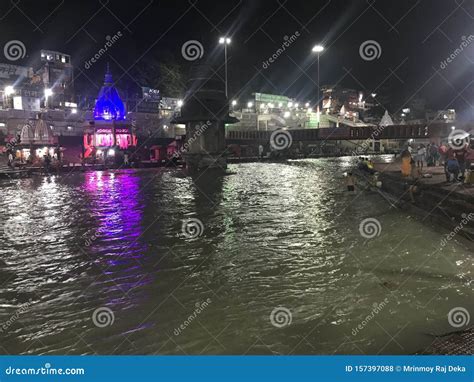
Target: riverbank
(450, 205)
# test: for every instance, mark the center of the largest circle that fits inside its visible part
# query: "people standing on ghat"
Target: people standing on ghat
(469, 160)
(47, 163)
(406, 162)
(443, 152)
(125, 159)
(350, 182)
(433, 154)
(452, 166)
(461, 158)
(420, 156)
(260, 151)
(10, 159)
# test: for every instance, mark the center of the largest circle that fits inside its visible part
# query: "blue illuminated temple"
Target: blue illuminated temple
(109, 105)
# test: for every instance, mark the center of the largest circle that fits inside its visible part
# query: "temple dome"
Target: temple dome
(109, 105)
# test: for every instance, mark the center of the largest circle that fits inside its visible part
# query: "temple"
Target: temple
(109, 132)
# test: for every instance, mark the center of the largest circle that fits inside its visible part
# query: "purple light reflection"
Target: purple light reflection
(118, 210)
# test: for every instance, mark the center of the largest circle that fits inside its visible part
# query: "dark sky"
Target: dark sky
(414, 36)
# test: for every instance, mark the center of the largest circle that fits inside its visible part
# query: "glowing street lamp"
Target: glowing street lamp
(9, 90)
(318, 49)
(47, 93)
(225, 41)
(180, 103)
(234, 102)
(249, 105)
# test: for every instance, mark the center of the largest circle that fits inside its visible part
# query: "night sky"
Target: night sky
(414, 36)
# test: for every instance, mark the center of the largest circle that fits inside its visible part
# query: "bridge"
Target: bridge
(430, 131)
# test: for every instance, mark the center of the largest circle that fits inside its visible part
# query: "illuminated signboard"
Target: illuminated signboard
(150, 94)
(169, 103)
(264, 97)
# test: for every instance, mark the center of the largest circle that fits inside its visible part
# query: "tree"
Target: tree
(167, 75)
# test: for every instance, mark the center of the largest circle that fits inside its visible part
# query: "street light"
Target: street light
(9, 90)
(180, 103)
(47, 93)
(249, 105)
(318, 49)
(234, 102)
(226, 41)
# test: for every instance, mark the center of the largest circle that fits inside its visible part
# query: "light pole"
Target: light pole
(7, 93)
(225, 41)
(47, 93)
(318, 49)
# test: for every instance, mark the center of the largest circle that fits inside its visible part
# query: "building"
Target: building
(109, 133)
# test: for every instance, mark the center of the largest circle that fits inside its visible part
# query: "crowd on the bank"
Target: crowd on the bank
(455, 160)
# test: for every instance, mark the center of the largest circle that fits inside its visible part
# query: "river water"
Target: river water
(108, 263)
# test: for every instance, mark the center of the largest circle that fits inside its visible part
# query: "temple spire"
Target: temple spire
(108, 76)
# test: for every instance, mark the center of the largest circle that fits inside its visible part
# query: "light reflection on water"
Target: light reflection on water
(283, 234)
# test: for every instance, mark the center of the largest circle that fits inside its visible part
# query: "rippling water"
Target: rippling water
(281, 238)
